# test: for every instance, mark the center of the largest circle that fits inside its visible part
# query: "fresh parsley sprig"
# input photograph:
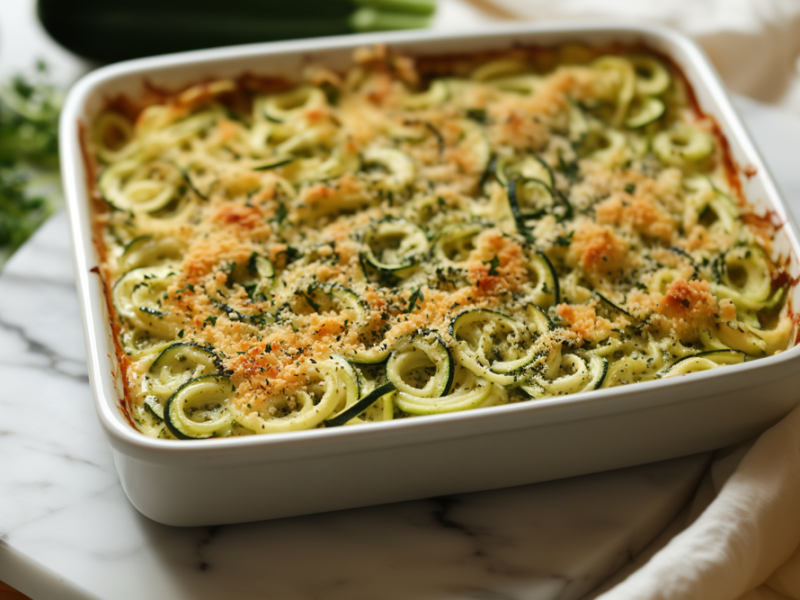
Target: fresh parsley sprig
(29, 110)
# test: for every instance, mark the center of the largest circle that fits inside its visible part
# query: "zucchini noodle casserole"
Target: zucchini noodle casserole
(418, 236)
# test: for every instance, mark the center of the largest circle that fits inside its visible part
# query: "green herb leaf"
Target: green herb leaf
(415, 299)
(493, 265)
(564, 240)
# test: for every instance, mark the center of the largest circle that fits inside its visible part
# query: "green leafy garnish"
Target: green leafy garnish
(493, 264)
(28, 158)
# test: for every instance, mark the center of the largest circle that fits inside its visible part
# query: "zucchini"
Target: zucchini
(394, 245)
(506, 168)
(539, 321)
(334, 297)
(703, 361)
(739, 336)
(474, 144)
(492, 345)
(187, 177)
(348, 379)
(547, 292)
(503, 67)
(652, 77)
(398, 169)
(409, 366)
(578, 124)
(744, 275)
(531, 199)
(327, 390)
(709, 205)
(182, 361)
(199, 408)
(583, 375)
(775, 299)
(537, 190)
(647, 110)
(255, 318)
(437, 94)
(408, 130)
(454, 243)
(624, 76)
(174, 366)
(370, 377)
(149, 251)
(373, 356)
(137, 296)
(291, 105)
(363, 404)
(339, 162)
(682, 145)
(154, 406)
(524, 84)
(613, 306)
(112, 31)
(274, 163)
(304, 140)
(123, 190)
(121, 129)
(605, 145)
(261, 280)
(468, 391)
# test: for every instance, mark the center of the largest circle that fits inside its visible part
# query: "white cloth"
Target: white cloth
(746, 544)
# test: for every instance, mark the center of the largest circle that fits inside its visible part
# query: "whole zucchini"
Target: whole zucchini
(109, 31)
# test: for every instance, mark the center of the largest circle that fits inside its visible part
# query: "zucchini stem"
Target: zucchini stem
(418, 7)
(368, 19)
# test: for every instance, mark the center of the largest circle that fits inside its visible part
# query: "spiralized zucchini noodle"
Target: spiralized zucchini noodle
(422, 236)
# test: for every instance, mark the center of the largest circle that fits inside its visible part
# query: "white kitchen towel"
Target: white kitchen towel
(746, 544)
(754, 44)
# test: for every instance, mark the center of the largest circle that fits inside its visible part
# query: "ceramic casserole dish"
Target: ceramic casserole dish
(240, 479)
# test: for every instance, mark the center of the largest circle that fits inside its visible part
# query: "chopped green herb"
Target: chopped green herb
(571, 169)
(493, 265)
(280, 214)
(564, 240)
(416, 298)
(477, 114)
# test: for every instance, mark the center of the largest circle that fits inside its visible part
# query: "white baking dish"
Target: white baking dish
(242, 479)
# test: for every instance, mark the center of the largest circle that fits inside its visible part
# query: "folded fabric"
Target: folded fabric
(753, 43)
(746, 545)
